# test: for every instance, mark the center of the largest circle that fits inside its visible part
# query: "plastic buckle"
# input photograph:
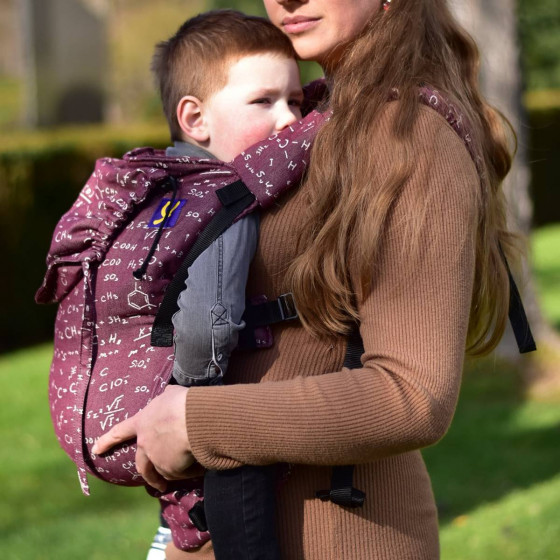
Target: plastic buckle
(287, 307)
(198, 516)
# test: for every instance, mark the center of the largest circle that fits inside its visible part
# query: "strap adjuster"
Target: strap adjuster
(198, 516)
(349, 497)
(287, 307)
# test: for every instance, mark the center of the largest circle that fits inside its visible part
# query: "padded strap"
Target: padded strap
(451, 113)
(235, 197)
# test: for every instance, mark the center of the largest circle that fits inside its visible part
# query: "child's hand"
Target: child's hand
(163, 449)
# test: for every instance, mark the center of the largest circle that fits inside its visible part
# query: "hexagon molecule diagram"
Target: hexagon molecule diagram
(137, 299)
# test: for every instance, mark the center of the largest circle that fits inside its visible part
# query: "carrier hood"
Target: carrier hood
(105, 205)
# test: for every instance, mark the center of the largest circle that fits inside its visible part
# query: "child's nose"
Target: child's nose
(286, 117)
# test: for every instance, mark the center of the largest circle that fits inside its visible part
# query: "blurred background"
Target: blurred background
(75, 85)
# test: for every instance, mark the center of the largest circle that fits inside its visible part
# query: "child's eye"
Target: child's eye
(295, 102)
(261, 100)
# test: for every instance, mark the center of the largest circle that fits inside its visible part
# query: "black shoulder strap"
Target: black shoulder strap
(518, 318)
(342, 491)
(517, 315)
(235, 198)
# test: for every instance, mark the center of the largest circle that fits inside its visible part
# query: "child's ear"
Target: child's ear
(191, 118)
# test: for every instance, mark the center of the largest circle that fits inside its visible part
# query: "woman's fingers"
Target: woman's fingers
(148, 471)
(163, 448)
(120, 433)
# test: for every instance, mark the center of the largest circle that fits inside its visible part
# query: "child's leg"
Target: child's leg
(240, 511)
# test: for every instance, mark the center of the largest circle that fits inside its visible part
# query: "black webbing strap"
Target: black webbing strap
(270, 312)
(354, 349)
(342, 491)
(235, 198)
(263, 314)
(517, 315)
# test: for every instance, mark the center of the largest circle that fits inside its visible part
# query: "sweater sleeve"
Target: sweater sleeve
(413, 327)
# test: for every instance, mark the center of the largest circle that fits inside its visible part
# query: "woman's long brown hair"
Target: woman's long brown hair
(415, 42)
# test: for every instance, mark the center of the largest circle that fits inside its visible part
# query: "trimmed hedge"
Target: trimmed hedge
(544, 157)
(42, 172)
(40, 176)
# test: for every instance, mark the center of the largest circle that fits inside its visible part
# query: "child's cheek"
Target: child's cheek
(256, 132)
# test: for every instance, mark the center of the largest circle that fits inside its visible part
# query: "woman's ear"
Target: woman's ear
(191, 119)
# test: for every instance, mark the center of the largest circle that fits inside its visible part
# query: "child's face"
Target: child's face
(262, 96)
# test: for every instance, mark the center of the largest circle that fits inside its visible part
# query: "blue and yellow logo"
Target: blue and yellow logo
(164, 210)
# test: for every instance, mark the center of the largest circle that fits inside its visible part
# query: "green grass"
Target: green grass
(523, 525)
(43, 514)
(495, 474)
(546, 259)
(495, 477)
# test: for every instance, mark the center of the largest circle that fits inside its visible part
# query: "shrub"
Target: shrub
(544, 154)
(40, 176)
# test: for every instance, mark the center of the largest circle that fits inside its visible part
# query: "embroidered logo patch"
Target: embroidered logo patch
(164, 210)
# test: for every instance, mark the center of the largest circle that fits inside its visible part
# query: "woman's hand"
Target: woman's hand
(163, 448)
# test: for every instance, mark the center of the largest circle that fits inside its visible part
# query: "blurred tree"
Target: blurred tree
(539, 30)
(248, 6)
(493, 24)
(135, 28)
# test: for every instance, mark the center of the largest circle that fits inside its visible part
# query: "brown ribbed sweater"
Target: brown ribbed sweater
(295, 403)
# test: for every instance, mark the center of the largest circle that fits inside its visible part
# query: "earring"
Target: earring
(386, 4)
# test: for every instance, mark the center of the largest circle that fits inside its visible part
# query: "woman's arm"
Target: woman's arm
(413, 328)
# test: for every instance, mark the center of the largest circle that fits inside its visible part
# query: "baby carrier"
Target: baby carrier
(112, 259)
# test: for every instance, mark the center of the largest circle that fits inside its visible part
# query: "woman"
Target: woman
(402, 233)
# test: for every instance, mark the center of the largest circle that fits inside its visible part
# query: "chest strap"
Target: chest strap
(270, 312)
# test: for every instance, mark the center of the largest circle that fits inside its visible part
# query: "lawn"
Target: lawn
(43, 514)
(546, 257)
(496, 473)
